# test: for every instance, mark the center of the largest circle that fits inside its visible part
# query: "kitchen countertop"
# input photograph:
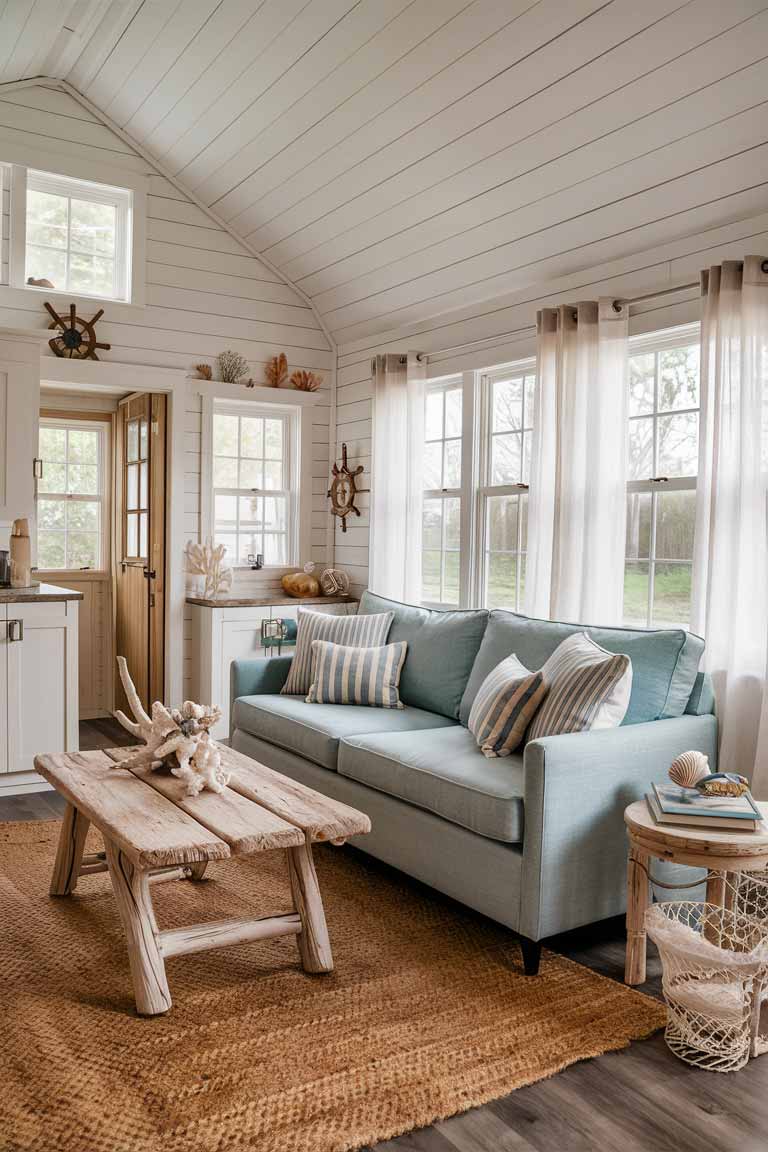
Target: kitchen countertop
(267, 601)
(38, 594)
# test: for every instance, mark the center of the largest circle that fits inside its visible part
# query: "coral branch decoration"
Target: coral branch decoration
(232, 366)
(306, 381)
(276, 370)
(178, 738)
(207, 560)
(204, 371)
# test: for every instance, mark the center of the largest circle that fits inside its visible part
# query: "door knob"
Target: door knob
(149, 574)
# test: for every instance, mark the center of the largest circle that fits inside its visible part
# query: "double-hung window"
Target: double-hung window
(507, 406)
(441, 525)
(663, 466)
(71, 495)
(254, 493)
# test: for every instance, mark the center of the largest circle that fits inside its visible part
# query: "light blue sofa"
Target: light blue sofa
(536, 840)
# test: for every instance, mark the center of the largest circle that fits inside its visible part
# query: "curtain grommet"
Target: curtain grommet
(764, 266)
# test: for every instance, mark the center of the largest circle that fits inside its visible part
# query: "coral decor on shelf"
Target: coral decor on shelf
(207, 560)
(305, 381)
(276, 371)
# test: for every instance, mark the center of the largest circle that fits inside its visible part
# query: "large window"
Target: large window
(71, 496)
(253, 493)
(77, 235)
(440, 563)
(663, 465)
(505, 463)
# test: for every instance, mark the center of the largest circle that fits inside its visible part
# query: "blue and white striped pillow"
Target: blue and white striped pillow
(588, 688)
(344, 675)
(507, 701)
(356, 631)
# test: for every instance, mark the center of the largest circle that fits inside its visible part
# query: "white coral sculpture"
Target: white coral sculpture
(179, 738)
(232, 366)
(208, 560)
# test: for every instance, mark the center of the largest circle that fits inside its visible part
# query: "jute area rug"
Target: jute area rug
(427, 1014)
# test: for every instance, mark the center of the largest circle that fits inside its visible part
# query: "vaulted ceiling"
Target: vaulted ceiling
(397, 159)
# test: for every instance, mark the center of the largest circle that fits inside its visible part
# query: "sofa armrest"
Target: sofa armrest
(576, 788)
(258, 677)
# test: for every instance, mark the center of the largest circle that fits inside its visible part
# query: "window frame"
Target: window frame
(663, 340)
(485, 489)
(291, 472)
(16, 159)
(443, 384)
(88, 192)
(104, 428)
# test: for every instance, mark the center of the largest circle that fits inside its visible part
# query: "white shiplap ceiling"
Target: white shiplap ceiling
(397, 159)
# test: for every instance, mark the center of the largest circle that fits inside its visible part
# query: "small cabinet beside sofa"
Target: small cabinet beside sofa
(223, 631)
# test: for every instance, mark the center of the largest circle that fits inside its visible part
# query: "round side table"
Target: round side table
(718, 851)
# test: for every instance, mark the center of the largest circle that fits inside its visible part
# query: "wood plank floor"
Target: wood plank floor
(639, 1100)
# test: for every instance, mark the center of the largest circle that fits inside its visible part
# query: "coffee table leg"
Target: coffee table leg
(314, 945)
(638, 896)
(131, 887)
(69, 853)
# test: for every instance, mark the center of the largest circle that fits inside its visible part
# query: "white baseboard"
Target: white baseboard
(19, 783)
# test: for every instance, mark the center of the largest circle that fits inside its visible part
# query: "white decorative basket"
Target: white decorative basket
(715, 970)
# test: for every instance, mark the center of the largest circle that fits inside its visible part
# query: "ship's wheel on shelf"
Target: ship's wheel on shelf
(77, 338)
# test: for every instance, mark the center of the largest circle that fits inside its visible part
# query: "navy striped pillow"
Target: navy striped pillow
(356, 631)
(507, 701)
(344, 675)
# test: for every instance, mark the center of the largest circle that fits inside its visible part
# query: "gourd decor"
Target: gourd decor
(301, 585)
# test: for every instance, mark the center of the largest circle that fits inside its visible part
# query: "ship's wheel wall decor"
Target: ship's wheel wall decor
(343, 489)
(77, 338)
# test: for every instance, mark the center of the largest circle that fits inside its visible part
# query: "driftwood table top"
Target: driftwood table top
(155, 824)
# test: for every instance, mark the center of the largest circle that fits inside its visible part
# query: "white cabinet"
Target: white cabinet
(221, 635)
(19, 423)
(38, 686)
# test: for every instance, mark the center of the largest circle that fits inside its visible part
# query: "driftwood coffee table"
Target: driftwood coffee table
(153, 832)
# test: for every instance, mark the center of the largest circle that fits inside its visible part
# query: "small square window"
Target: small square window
(78, 236)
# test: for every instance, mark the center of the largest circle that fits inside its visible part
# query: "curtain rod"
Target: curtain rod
(618, 303)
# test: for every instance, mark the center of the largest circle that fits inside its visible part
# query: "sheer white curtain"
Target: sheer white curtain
(396, 498)
(730, 593)
(577, 499)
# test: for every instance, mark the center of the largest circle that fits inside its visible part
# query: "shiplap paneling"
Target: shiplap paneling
(400, 161)
(205, 293)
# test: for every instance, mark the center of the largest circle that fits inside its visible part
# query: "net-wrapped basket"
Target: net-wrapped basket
(715, 968)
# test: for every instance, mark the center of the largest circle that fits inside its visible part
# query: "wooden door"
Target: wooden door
(140, 462)
(42, 681)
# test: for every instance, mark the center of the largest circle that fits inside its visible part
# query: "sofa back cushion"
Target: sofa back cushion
(664, 661)
(442, 647)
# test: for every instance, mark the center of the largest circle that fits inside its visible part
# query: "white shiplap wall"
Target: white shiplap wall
(204, 291)
(650, 271)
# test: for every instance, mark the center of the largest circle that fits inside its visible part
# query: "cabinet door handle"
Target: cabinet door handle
(15, 631)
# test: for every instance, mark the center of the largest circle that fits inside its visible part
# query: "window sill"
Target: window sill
(82, 300)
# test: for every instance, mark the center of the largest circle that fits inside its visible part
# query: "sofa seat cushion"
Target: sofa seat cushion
(443, 772)
(314, 730)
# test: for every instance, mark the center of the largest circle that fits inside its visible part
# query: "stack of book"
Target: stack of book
(671, 804)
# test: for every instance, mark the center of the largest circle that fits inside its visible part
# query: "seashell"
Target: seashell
(688, 768)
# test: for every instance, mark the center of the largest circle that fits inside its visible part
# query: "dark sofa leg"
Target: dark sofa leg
(531, 950)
